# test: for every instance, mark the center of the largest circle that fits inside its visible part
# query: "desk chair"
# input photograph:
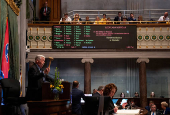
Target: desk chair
(11, 93)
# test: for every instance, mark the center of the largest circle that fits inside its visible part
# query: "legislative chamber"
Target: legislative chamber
(57, 54)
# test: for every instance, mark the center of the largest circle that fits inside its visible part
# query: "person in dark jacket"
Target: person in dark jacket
(110, 91)
(45, 12)
(165, 107)
(149, 107)
(131, 18)
(153, 111)
(76, 98)
(118, 18)
(36, 76)
(99, 91)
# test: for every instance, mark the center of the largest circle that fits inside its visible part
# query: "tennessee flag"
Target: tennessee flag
(5, 58)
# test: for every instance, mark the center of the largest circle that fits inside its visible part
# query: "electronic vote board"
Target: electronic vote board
(94, 36)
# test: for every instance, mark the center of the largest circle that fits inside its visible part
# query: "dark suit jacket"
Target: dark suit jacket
(47, 17)
(157, 113)
(76, 100)
(117, 19)
(35, 80)
(96, 94)
(167, 111)
(148, 108)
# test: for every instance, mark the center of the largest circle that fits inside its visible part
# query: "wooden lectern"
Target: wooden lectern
(49, 106)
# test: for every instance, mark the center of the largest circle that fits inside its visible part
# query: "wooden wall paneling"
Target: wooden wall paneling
(55, 6)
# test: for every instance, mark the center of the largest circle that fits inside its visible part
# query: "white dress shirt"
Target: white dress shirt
(67, 19)
(161, 19)
(46, 9)
(152, 113)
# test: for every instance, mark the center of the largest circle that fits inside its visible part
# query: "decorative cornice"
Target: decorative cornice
(13, 6)
(139, 60)
(89, 55)
(87, 60)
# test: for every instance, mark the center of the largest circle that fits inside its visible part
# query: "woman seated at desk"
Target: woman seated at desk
(152, 95)
(136, 95)
(122, 95)
(110, 91)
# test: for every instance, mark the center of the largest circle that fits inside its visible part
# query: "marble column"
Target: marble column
(23, 27)
(87, 75)
(142, 81)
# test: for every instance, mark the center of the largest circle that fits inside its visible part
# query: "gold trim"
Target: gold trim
(7, 1)
(13, 6)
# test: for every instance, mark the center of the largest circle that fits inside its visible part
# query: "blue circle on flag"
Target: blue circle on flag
(6, 52)
(1, 75)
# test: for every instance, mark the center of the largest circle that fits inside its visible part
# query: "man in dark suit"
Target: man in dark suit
(36, 76)
(45, 12)
(119, 17)
(99, 91)
(153, 111)
(76, 98)
(165, 107)
(149, 107)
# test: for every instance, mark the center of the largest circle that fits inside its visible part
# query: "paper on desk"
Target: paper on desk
(128, 112)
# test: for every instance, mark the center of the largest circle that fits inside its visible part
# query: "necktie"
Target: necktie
(45, 10)
(153, 113)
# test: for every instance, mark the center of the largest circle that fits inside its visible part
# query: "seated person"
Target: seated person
(45, 12)
(97, 21)
(67, 18)
(166, 109)
(104, 19)
(99, 91)
(131, 18)
(136, 94)
(110, 91)
(140, 18)
(63, 21)
(122, 95)
(109, 21)
(124, 19)
(87, 19)
(153, 111)
(133, 105)
(94, 91)
(164, 18)
(76, 19)
(152, 94)
(118, 18)
(149, 107)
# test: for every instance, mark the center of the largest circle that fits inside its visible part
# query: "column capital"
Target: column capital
(139, 60)
(87, 60)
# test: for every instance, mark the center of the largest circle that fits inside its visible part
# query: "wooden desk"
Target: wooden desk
(49, 107)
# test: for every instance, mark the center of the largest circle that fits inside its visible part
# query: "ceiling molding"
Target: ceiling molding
(31, 55)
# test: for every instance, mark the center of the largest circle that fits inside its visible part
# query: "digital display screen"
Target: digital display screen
(94, 37)
(114, 101)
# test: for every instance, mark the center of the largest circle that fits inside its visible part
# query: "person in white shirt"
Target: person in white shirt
(164, 18)
(67, 18)
(153, 111)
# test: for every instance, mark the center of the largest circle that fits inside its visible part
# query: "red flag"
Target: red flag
(5, 58)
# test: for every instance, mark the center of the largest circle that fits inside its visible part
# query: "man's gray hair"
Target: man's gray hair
(38, 57)
(100, 88)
